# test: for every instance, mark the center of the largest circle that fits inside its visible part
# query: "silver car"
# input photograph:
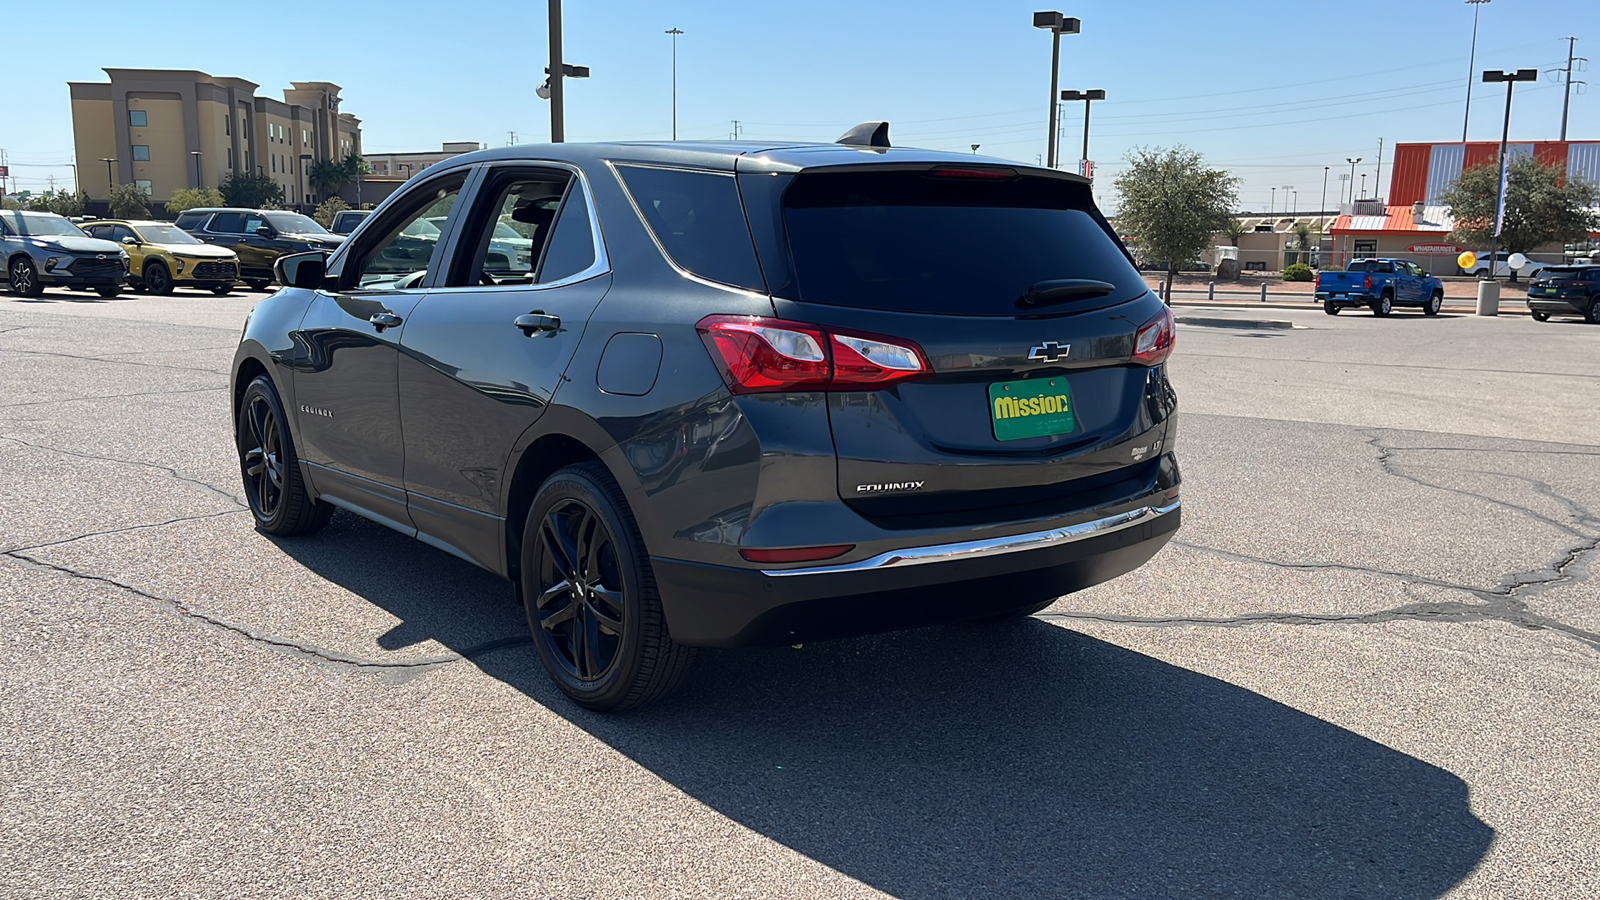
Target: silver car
(43, 249)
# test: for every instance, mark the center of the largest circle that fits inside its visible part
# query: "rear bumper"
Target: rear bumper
(1559, 306)
(720, 606)
(1346, 299)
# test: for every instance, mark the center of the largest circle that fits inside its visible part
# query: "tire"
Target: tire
(1592, 316)
(606, 644)
(157, 278)
(1435, 302)
(1383, 305)
(1329, 307)
(273, 485)
(24, 277)
(257, 285)
(108, 290)
(221, 290)
(1540, 316)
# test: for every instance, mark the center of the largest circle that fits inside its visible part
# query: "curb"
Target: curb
(1247, 324)
(1311, 307)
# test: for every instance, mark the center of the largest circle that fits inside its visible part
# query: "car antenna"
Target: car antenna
(867, 134)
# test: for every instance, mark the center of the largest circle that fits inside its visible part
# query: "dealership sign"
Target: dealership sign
(1439, 249)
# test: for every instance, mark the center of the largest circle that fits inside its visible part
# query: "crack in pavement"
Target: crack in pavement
(112, 397)
(308, 651)
(168, 470)
(123, 530)
(119, 362)
(1504, 603)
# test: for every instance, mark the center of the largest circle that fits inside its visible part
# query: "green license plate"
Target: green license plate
(1032, 408)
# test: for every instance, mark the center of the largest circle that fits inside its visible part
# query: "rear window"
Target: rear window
(189, 221)
(1565, 273)
(914, 242)
(699, 221)
(1370, 265)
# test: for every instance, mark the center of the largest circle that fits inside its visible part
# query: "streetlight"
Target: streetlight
(1363, 185)
(1296, 206)
(1511, 79)
(552, 88)
(975, 149)
(1344, 182)
(198, 183)
(111, 181)
(1352, 163)
(1272, 204)
(1058, 25)
(1472, 64)
(1322, 205)
(1088, 98)
(674, 31)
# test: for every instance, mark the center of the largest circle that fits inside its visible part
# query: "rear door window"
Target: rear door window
(227, 223)
(916, 241)
(699, 221)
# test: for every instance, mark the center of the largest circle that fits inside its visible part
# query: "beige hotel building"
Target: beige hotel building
(167, 129)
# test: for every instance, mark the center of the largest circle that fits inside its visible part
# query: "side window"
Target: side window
(399, 251)
(511, 229)
(252, 221)
(120, 232)
(95, 231)
(699, 220)
(571, 247)
(227, 223)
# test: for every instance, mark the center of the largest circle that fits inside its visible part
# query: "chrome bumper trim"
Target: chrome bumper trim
(1016, 543)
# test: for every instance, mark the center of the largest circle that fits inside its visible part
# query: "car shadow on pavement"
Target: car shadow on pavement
(1015, 760)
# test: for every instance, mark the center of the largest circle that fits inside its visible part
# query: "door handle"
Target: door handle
(384, 320)
(535, 322)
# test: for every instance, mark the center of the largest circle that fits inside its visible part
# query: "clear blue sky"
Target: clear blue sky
(1272, 91)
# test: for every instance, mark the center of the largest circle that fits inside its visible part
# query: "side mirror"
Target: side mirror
(266, 232)
(131, 241)
(301, 270)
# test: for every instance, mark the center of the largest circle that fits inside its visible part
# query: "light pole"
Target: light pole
(1472, 63)
(1363, 185)
(1088, 98)
(558, 71)
(1344, 182)
(674, 31)
(198, 183)
(1322, 205)
(1294, 206)
(1272, 204)
(1057, 24)
(1511, 79)
(975, 149)
(111, 181)
(1353, 163)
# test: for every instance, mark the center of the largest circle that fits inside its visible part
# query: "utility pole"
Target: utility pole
(735, 135)
(558, 130)
(1377, 176)
(674, 31)
(1322, 205)
(513, 135)
(1567, 82)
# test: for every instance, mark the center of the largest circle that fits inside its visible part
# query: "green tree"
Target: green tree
(8, 203)
(1543, 206)
(251, 191)
(68, 203)
(1234, 230)
(192, 198)
(1305, 234)
(327, 209)
(127, 202)
(1171, 203)
(326, 177)
(40, 203)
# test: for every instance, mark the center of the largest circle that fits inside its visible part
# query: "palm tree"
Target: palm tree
(1303, 234)
(1234, 230)
(326, 177)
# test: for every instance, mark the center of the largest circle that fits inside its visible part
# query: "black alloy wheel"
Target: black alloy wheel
(157, 278)
(272, 482)
(24, 279)
(1431, 308)
(590, 597)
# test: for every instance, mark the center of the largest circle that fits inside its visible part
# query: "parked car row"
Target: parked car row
(208, 248)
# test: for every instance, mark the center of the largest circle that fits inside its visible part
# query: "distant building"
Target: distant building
(169, 129)
(1423, 172)
(408, 164)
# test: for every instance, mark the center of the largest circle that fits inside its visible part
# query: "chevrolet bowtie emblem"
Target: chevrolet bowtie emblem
(1050, 352)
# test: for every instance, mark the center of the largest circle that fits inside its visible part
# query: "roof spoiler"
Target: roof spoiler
(867, 134)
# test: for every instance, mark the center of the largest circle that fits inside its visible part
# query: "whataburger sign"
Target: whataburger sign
(1441, 249)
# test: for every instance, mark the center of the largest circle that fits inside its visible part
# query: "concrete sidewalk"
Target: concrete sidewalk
(1279, 301)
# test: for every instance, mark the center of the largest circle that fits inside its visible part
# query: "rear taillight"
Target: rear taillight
(760, 355)
(1152, 343)
(1367, 282)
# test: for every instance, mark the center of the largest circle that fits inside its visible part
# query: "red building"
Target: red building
(1424, 171)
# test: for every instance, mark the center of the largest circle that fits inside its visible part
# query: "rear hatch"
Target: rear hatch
(1026, 310)
(1341, 282)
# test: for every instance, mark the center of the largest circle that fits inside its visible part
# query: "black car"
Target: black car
(258, 236)
(1566, 291)
(742, 395)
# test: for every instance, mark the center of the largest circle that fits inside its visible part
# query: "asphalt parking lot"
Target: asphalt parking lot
(1369, 665)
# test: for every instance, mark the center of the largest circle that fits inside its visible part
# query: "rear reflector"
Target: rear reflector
(761, 355)
(796, 554)
(1152, 343)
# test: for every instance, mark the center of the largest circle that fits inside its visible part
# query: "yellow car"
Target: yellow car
(162, 256)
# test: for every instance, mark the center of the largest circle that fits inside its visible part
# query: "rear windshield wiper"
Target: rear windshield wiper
(1062, 289)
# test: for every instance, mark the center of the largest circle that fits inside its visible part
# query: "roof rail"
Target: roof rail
(867, 134)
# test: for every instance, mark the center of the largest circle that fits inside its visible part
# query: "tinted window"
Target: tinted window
(571, 243)
(137, 118)
(119, 232)
(1370, 265)
(913, 242)
(699, 220)
(1574, 273)
(398, 253)
(228, 223)
(188, 220)
(511, 229)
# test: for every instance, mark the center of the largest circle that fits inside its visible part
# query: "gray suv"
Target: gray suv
(736, 394)
(41, 249)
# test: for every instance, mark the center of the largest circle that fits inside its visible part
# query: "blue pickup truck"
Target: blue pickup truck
(1381, 285)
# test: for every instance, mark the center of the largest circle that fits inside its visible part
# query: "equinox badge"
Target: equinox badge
(1050, 352)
